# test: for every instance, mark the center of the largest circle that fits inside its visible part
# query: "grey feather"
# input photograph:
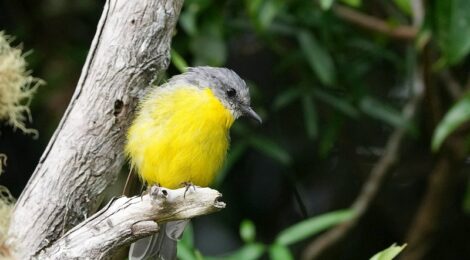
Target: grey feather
(161, 246)
(219, 80)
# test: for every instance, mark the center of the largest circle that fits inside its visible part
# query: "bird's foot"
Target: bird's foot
(188, 185)
(143, 193)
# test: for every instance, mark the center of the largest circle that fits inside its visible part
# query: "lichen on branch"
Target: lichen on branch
(17, 86)
(7, 202)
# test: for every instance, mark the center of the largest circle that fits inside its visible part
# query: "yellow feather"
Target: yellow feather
(180, 134)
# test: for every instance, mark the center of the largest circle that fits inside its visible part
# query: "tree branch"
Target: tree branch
(126, 220)
(443, 181)
(388, 159)
(442, 185)
(451, 85)
(374, 182)
(403, 32)
(130, 48)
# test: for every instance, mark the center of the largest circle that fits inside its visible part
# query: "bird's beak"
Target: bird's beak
(249, 112)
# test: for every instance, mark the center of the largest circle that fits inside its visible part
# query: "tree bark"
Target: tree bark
(130, 48)
(126, 220)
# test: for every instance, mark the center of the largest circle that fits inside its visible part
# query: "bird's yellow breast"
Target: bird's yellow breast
(181, 134)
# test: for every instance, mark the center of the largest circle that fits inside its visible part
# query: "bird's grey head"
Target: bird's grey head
(226, 85)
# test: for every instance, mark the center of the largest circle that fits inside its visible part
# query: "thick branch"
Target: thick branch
(443, 182)
(126, 220)
(130, 48)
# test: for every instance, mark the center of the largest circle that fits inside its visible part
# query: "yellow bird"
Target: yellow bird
(181, 132)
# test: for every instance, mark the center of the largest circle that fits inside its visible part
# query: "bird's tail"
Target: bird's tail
(160, 246)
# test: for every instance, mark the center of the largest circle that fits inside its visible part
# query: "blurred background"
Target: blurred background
(365, 109)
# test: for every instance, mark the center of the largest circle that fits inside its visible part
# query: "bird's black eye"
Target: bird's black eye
(231, 92)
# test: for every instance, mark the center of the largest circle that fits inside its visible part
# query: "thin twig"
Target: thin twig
(403, 32)
(452, 86)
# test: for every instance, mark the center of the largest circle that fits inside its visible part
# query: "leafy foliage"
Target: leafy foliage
(279, 250)
(318, 58)
(457, 115)
(453, 28)
(309, 227)
(389, 253)
(330, 83)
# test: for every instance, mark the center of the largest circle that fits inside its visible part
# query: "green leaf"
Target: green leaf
(453, 28)
(197, 5)
(188, 235)
(271, 149)
(310, 117)
(247, 252)
(326, 4)
(262, 13)
(247, 231)
(279, 252)
(208, 46)
(198, 255)
(253, 6)
(458, 114)
(190, 13)
(389, 253)
(178, 61)
(287, 97)
(312, 226)
(184, 252)
(188, 19)
(268, 12)
(318, 58)
(404, 6)
(340, 104)
(353, 3)
(377, 109)
(186, 245)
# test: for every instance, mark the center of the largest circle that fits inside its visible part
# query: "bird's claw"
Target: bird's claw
(188, 185)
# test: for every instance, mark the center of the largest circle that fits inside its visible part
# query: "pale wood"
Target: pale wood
(126, 220)
(130, 48)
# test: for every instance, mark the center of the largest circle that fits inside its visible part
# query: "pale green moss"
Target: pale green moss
(17, 86)
(7, 202)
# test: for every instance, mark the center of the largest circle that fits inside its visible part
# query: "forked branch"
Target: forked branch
(125, 220)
